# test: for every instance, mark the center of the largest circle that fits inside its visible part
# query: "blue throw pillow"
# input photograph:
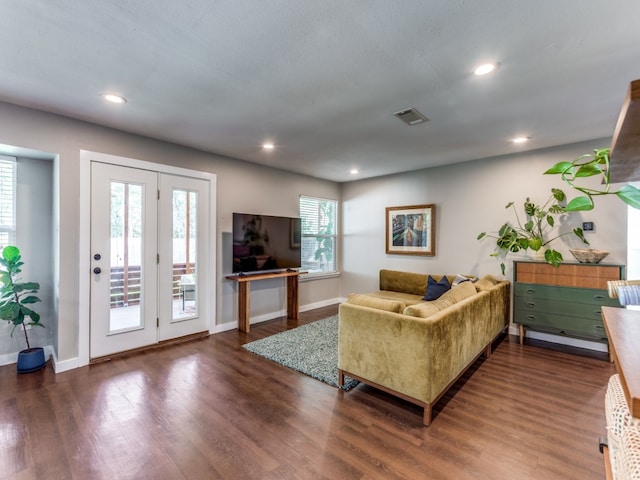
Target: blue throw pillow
(436, 289)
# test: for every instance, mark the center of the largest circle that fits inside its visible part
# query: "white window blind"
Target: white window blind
(319, 234)
(7, 201)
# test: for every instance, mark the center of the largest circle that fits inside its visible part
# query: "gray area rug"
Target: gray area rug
(311, 349)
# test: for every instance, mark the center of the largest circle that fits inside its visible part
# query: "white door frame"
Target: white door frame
(84, 240)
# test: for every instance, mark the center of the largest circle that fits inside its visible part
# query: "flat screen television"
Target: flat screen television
(264, 243)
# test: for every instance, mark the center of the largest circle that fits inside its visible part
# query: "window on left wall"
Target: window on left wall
(7, 201)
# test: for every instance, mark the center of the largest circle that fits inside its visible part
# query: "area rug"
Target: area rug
(311, 349)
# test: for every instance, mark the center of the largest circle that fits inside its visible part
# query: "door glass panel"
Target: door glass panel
(126, 257)
(185, 279)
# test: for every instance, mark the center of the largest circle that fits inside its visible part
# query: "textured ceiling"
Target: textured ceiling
(323, 79)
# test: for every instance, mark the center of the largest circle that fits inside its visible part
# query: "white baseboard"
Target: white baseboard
(64, 365)
(225, 327)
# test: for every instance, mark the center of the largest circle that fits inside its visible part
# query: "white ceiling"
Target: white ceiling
(322, 79)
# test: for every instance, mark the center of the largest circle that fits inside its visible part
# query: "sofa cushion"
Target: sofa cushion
(406, 298)
(486, 283)
(436, 288)
(451, 297)
(375, 302)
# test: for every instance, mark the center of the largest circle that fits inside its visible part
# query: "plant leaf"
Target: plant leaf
(550, 221)
(588, 170)
(553, 257)
(579, 204)
(535, 244)
(481, 236)
(27, 312)
(580, 234)
(30, 299)
(629, 195)
(560, 167)
(10, 311)
(11, 254)
(558, 194)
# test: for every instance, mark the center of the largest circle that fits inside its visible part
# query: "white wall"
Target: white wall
(470, 198)
(241, 186)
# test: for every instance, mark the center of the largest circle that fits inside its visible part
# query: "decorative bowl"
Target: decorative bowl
(588, 255)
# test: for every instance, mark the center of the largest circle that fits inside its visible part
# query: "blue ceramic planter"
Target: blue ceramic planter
(31, 360)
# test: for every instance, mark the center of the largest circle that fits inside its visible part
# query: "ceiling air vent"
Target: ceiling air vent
(411, 116)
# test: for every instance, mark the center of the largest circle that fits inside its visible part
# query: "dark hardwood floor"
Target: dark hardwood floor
(209, 409)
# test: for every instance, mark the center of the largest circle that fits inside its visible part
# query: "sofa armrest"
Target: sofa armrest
(418, 357)
(384, 347)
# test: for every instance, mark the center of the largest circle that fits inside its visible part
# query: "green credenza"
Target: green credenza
(565, 300)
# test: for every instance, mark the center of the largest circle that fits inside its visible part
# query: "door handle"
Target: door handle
(97, 270)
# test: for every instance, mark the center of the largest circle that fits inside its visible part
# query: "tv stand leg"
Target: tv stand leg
(292, 297)
(243, 307)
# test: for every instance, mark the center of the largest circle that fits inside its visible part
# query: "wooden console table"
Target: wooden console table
(623, 330)
(244, 288)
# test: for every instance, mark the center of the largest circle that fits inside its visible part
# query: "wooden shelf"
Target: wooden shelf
(261, 276)
(623, 330)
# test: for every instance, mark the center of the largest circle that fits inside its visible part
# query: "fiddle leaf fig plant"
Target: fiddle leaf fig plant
(590, 165)
(16, 295)
(533, 231)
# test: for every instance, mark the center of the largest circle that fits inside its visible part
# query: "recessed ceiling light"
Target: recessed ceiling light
(354, 171)
(485, 68)
(113, 98)
(268, 146)
(520, 139)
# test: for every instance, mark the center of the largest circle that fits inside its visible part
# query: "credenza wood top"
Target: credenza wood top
(623, 330)
(582, 275)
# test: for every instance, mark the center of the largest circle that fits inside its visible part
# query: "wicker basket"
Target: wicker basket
(588, 255)
(628, 457)
(619, 420)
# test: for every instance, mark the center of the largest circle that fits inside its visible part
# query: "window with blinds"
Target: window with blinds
(319, 234)
(7, 201)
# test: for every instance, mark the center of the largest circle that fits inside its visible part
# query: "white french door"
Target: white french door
(183, 226)
(149, 233)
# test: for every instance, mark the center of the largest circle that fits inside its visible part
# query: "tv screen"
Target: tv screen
(265, 243)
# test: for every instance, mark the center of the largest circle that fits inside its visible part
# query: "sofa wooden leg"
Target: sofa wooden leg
(426, 416)
(340, 378)
(487, 351)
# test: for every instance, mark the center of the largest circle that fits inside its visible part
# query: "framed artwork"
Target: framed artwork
(411, 230)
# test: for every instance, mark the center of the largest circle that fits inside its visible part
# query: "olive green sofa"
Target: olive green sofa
(395, 341)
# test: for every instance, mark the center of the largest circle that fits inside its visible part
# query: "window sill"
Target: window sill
(318, 276)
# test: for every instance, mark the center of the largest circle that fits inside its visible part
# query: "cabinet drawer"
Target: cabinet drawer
(558, 307)
(583, 327)
(567, 294)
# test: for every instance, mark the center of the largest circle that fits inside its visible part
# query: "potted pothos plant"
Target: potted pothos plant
(15, 300)
(533, 230)
(594, 164)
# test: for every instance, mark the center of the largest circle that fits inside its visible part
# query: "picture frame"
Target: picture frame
(410, 230)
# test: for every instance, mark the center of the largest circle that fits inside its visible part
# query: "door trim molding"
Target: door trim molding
(84, 240)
